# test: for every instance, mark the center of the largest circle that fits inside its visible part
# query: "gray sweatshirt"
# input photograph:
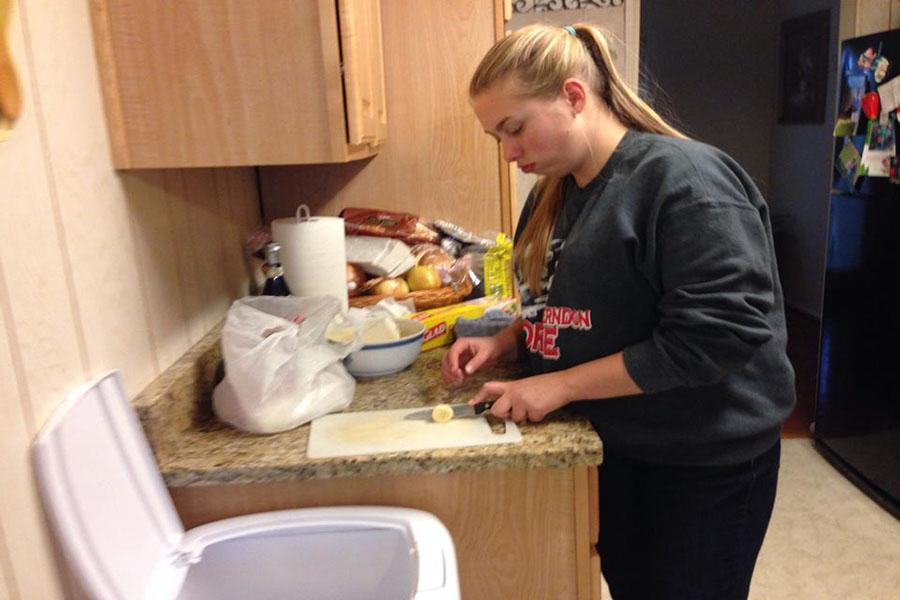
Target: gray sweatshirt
(667, 255)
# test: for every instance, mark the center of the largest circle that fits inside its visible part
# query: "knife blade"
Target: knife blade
(459, 411)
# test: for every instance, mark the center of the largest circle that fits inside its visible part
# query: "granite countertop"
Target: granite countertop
(193, 448)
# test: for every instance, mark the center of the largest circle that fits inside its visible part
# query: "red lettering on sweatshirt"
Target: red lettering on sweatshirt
(585, 316)
(540, 336)
(566, 317)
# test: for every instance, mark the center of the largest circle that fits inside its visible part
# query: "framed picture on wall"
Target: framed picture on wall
(804, 68)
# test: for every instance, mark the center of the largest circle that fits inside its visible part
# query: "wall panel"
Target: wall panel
(872, 16)
(98, 270)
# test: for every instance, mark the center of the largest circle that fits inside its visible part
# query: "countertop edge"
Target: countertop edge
(392, 466)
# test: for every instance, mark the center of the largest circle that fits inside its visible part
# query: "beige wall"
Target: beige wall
(863, 17)
(98, 270)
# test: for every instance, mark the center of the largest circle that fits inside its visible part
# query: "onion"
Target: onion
(394, 286)
(355, 279)
(423, 278)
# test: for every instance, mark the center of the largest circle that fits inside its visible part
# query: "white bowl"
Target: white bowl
(385, 358)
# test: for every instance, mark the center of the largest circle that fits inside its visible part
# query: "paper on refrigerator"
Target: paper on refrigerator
(889, 94)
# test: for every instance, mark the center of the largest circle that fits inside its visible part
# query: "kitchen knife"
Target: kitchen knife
(459, 410)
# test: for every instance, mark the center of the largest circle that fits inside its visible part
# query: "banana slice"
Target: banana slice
(441, 413)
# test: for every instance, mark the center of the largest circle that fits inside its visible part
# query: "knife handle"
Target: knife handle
(483, 406)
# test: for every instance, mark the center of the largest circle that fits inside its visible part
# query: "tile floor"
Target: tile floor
(827, 540)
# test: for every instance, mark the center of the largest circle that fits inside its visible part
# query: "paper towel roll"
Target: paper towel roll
(313, 255)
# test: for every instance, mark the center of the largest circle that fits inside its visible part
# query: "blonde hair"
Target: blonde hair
(540, 58)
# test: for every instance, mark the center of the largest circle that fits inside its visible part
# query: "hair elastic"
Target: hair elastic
(570, 29)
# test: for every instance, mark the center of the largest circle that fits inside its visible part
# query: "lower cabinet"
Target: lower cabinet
(526, 533)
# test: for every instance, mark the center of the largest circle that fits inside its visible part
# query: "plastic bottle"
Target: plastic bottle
(498, 275)
(275, 283)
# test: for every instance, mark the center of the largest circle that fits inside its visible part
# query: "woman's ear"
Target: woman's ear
(575, 94)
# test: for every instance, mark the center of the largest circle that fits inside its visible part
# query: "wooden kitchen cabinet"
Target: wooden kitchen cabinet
(228, 82)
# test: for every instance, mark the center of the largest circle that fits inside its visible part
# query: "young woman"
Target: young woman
(651, 305)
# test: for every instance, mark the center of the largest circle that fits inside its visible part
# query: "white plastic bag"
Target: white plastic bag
(280, 371)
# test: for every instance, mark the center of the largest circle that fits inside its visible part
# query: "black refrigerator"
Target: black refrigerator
(857, 417)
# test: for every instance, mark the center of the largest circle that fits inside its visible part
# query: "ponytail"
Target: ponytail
(626, 105)
(530, 251)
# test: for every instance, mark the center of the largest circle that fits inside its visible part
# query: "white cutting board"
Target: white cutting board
(373, 432)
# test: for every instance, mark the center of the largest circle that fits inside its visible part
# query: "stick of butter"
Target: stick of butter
(380, 329)
(340, 330)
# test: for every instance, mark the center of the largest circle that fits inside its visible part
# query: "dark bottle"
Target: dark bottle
(275, 283)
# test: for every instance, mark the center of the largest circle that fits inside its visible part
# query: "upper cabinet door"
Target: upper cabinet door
(229, 82)
(360, 22)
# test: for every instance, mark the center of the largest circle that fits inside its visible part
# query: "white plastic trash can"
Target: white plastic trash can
(119, 530)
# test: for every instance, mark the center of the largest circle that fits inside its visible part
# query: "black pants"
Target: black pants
(674, 533)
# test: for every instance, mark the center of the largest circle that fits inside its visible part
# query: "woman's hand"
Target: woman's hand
(467, 355)
(529, 399)
(533, 398)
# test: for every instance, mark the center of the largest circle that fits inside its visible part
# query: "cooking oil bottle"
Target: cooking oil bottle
(275, 283)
